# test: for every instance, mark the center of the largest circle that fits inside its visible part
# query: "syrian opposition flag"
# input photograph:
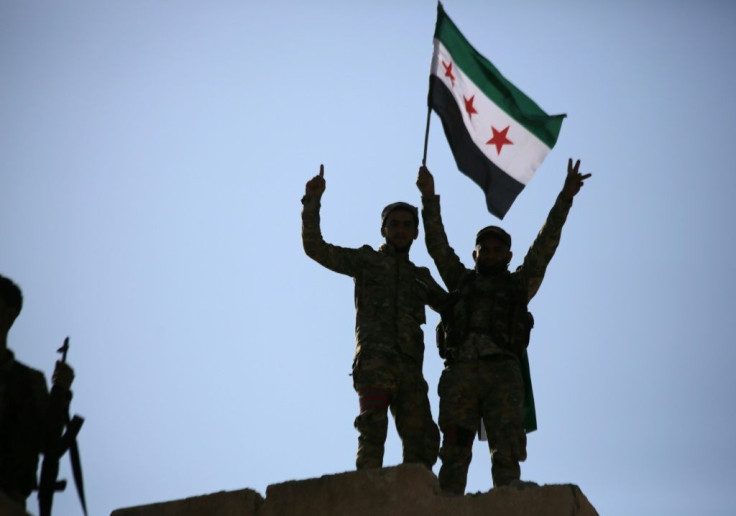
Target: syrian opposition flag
(497, 134)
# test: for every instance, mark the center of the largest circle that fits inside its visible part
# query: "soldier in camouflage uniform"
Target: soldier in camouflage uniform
(31, 418)
(390, 295)
(489, 331)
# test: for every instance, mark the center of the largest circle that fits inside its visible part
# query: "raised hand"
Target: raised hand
(63, 375)
(317, 185)
(425, 181)
(574, 180)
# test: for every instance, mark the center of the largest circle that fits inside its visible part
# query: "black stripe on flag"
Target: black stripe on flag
(500, 188)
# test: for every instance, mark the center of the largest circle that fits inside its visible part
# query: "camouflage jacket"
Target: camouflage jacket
(31, 420)
(493, 303)
(390, 293)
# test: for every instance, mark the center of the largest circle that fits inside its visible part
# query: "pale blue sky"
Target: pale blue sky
(153, 155)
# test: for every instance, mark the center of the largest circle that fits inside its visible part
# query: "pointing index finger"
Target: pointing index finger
(321, 170)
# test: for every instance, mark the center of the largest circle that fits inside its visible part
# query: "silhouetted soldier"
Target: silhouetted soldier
(489, 327)
(31, 418)
(390, 295)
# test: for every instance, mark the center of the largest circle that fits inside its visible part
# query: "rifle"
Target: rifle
(66, 440)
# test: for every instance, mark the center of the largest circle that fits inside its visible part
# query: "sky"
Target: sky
(152, 159)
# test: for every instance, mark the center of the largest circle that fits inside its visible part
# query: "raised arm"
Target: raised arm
(447, 262)
(338, 259)
(543, 249)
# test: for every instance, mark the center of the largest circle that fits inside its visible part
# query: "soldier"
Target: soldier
(31, 418)
(390, 294)
(488, 333)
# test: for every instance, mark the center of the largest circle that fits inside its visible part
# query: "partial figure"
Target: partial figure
(487, 332)
(390, 295)
(31, 417)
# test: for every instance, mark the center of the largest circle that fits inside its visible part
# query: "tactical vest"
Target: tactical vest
(510, 321)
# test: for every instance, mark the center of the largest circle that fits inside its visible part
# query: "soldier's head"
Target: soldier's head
(11, 303)
(400, 225)
(492, 253)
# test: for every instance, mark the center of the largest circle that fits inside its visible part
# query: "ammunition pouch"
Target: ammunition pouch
(521, 332)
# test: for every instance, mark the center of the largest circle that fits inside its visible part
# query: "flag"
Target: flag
(497, 134)
(528, 409)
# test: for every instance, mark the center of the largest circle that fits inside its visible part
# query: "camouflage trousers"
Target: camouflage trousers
(490, 389)
(393, 381)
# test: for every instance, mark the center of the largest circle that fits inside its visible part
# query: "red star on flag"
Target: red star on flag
(448, 72)
(499, 138)
(469, 108)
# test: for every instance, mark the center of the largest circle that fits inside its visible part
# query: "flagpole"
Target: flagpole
(426, 138)
(429, 105)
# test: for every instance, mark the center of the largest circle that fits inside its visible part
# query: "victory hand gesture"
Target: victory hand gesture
(574, 180)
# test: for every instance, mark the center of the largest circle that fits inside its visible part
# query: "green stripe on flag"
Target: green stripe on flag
(495, 86)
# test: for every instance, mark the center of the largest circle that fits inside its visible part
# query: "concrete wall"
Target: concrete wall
(405, 490)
